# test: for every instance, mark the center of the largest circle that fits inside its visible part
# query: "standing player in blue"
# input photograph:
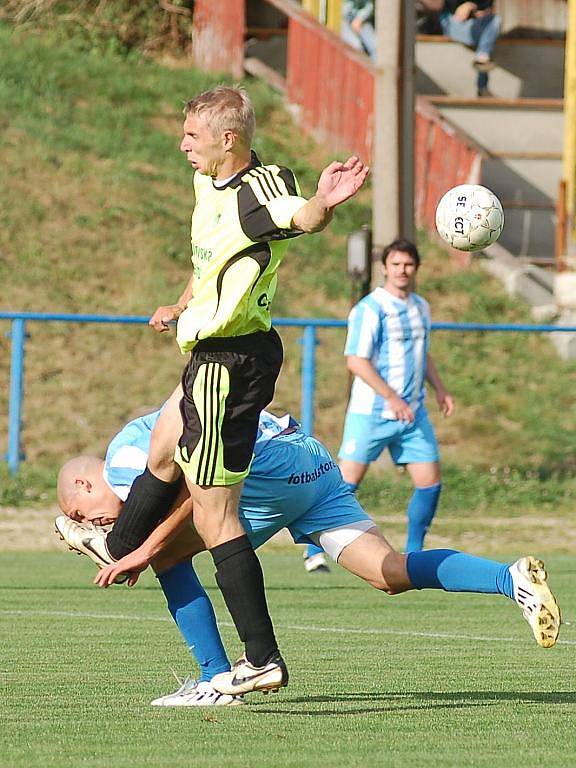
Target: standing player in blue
(387, 350)
(245, 214)
(294, 483)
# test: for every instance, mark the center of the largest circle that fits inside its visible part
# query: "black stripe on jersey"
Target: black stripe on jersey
(289, 179)
(274, 184)
(265, 189)
(237, 180)
(255, 220)
(265, 182)
(267, 176)
(261, 254)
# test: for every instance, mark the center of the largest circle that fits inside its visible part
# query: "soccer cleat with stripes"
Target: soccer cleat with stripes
(87, 539)
(244, 677)
(197, 694)
(537, 602)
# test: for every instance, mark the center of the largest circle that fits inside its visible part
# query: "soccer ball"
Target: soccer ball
(469, 217)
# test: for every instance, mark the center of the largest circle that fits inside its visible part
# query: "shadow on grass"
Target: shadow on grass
(413, 701)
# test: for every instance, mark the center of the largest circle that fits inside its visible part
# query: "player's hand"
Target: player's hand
(445, 403)
(163, 316)
(340, 181)
(401, 409)
(133, 564)
(356, 24)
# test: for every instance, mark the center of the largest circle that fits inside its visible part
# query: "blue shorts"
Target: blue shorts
(365, 437)
(296, 484)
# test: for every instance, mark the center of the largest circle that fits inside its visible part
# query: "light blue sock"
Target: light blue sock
(192, 611)
(456, 571)
(421, 511)
(312, 549)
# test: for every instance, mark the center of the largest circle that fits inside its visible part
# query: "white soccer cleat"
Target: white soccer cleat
(87, 539)
(187, 686)
(316, 563)
(244, 677)
(537, 602)
(194, 694)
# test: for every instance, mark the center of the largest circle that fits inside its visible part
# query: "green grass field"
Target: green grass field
(88, 139)
(414, 680)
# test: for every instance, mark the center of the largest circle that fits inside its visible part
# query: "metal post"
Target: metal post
(18, 336)
(308, 384)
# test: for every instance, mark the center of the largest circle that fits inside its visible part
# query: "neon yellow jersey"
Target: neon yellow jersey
(239, 234)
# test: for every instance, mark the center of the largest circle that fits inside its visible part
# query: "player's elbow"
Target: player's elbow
(354, 364)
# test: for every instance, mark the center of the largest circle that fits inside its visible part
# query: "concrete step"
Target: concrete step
(527, 189)
(501, 126)
(524, 68)
(523, 142)
(529, 233)
(529, 181)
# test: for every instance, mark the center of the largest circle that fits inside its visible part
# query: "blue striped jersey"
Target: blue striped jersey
(394, 334)
(127, 453)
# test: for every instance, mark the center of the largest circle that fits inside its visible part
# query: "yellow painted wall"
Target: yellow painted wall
(326, 11)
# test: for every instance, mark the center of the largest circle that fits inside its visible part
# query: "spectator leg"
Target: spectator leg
(349, 36)
(486, 32)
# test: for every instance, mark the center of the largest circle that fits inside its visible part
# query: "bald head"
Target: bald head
(83, 494)
(78, 467)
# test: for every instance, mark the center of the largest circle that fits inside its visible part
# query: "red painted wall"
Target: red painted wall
(332, 88)
(218, 36)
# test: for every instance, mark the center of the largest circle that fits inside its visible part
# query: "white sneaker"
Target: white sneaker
(87, 539)
(244, 677)
(187, 686)
(316, 563)
(194, 694)
(537, 602)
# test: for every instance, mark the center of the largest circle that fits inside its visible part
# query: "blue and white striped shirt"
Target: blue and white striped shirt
(394, 334)
(127, 453)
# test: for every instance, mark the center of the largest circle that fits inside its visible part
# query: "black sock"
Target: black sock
(240, 578)
(150, 499)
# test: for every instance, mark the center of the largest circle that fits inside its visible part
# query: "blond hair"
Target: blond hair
(225, 108)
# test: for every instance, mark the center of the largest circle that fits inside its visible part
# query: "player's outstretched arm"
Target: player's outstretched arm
(338, 182)
(133, 564)
(137, 561)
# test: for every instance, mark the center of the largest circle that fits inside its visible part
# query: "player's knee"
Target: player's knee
(393, 574)
(161, 463)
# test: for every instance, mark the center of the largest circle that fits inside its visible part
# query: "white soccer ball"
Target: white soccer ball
(469, 217)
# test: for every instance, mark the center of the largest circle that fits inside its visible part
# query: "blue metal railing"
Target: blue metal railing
(308, 342)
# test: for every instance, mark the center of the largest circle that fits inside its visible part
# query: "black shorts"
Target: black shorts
(226, 384)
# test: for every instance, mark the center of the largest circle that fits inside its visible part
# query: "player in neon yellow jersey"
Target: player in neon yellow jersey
(245, 213)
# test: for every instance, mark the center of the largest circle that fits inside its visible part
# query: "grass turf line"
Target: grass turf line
(76, 690)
